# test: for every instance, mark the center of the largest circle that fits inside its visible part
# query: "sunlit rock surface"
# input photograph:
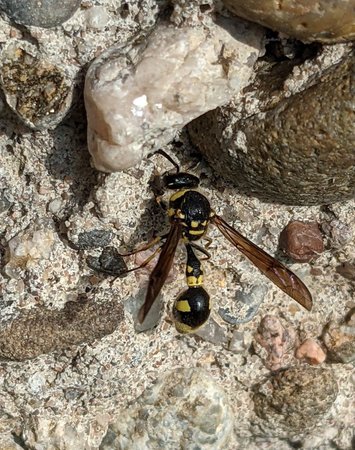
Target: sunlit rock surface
(309, 20)
(140, 94)
(183, 409)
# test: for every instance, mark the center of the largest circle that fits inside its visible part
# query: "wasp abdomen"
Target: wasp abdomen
(191, 309)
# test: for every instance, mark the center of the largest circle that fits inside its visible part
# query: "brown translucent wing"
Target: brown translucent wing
(269, 266)
(161, 270)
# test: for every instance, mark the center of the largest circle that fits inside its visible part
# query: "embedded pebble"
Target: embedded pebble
(246, 305)
(184, 409)
(311, 351)
(97, 17)
(133, 305)
(277, 140)
(302, 241)
(296, 399)
(55, 205)
(48, 432)
(37, 331)
(211, 331)
(39, 92)
(140, 94)
(339, 339)
(278, 342)
(338, 233)
(109, 262)
(238, 343)
(44, 13)
(314, 20)
(5, 203)
(28, 247)
(94, 239)
(347, 270)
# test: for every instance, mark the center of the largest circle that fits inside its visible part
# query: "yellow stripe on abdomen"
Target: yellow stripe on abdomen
(183, 306)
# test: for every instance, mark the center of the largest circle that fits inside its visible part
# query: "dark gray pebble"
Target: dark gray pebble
(94, 239)
(39, 13)
(5, 203)
(109, 262)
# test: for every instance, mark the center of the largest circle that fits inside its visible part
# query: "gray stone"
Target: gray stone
(109, 262)
(184, 409)
(43, 13)
(212, 332)
(94, 239)
(246, 305)
(5, 203)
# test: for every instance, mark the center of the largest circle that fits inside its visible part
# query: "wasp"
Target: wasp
(190, 215)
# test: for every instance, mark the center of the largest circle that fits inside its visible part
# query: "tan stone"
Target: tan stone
(307, 20)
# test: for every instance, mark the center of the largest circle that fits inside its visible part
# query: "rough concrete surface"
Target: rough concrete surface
(67, 397)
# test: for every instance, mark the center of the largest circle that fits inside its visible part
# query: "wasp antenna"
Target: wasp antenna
(168, 157)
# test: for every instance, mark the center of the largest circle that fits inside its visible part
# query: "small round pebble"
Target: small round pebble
(301, 241)
(97, 17)
(43, 13)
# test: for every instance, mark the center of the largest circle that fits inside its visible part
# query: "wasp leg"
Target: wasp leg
(202, 250)
(146, 246)
(168, 157)
(145, 262)
(209, 241)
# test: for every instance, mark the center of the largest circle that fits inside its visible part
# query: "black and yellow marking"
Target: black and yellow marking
(194, 272)
(192, 308)
(199, 309)
(192, 210)
(190, 215)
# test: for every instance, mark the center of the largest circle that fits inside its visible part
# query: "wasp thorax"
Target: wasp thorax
(191, 309)
(181, 180)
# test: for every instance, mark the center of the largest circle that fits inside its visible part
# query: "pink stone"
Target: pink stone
(278, 341)
(311, 351)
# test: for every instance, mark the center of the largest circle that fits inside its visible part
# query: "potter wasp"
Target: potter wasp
(190, 215)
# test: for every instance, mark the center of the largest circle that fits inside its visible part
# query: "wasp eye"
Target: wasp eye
(191, 309)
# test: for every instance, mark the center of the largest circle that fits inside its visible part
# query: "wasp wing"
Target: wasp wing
(269, 266)
(161, 270)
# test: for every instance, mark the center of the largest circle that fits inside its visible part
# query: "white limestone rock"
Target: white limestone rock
(138, 95)
(184, 409)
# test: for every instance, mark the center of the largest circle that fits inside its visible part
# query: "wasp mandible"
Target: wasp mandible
(190, 214)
